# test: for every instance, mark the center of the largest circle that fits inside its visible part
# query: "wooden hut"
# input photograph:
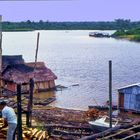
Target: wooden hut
(129, 97)
(20, 73)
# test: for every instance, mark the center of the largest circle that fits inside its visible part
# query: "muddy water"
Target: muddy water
(79, 59)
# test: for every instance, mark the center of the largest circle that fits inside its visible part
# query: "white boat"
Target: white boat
(102, 124)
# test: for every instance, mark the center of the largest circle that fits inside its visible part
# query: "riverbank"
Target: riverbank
(135, 38)
(132, 34)
(60, 123)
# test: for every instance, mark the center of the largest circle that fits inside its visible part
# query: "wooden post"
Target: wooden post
(110, 93)
(0, 55)
(38, 35)
(30, 104)
(19, 112)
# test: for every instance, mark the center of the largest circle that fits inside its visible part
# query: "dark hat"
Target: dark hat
(3, 103)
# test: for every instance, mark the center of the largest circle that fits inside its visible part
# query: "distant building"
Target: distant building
(16, 71)
(129, 97)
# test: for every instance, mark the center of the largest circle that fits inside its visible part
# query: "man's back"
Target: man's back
(9, 114)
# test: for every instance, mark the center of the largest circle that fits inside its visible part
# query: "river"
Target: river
(77, 58)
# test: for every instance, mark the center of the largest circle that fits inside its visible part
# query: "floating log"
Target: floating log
(75, 85)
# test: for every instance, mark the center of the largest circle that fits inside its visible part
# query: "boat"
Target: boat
(102, 124)
(98, 34)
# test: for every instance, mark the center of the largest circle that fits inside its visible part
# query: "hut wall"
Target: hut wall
(25, 88)
(130, 98)
(121, 100)
(42, 86)
(47, 85)
(127, 101)
(132, 102)
(11, 86)
(36, 85)
(52, 84)
(138, 102)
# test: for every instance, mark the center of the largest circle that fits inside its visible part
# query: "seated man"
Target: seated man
(10, 119)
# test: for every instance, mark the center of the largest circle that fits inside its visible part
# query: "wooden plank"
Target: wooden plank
(130, 136)
(122, 131)
(95, 136)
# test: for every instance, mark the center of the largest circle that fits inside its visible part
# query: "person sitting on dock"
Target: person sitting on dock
(10, 120)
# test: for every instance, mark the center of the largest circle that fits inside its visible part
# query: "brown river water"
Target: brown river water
(79, 59)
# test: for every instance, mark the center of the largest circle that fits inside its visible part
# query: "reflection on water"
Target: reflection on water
(77, 58)
(45, 95)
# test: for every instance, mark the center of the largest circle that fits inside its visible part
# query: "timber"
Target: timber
(111, 130)
(110, 94)
(121, 131)
(130, 136)
(19, 111)
(0, 55)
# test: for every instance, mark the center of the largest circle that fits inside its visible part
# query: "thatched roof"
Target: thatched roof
(39, 65)
(11, 59)
(21, 73)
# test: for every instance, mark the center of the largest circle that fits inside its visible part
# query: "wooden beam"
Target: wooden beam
(135, 134)
(30, 104)
(110, 94)
(19, 112)
(0, 55)
(111, 130)
(121, 131)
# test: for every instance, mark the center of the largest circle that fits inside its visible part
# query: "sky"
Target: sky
(70, 10)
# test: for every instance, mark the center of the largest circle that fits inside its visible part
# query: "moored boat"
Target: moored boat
(98, 34)
(102, 124)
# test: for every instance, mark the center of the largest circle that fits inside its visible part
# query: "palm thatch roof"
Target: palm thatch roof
(21, 73)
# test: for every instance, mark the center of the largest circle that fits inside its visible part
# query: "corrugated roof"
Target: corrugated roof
(128, 86)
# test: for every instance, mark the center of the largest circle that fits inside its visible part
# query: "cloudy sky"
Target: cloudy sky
(70, 10)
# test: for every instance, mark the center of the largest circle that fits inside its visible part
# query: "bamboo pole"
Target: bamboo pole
(0, 55)
(38, 35)
(30, 102)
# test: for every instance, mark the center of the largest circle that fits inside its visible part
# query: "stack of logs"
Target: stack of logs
(28, 133)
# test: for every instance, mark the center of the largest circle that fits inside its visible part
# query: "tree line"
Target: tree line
(118, 24)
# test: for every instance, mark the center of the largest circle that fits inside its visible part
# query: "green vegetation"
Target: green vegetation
(125, 28)
(131, 34)
(118, 24)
